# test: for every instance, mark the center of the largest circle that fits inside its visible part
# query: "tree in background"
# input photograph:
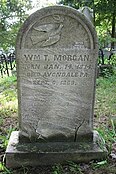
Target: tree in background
(14, 12)
(12, 15)
(104, 18)
(77, 3)
(105, 21)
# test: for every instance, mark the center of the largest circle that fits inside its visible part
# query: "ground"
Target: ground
(104, 122)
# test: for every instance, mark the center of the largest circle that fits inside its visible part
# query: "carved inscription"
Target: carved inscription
(45, 69)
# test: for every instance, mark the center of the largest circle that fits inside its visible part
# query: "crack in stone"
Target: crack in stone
(76, 130)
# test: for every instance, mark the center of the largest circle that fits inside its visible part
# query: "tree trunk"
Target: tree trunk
(113, 34)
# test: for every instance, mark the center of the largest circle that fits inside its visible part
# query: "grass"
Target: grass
(105, 124)
(8, 108)
(8, 96)
(105, 109)
(105, 96)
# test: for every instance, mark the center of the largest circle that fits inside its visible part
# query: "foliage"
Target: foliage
(77, 4)
(113, 60)
(3, 169)
(108, 133)
(99, 164)
(4, 138)
(104, 18)
(12, 13)
(75, 168)
(57, 169)
(72, 168)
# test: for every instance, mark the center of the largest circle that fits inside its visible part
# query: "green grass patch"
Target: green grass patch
(8, 96)
(105, 109)
(105, 96)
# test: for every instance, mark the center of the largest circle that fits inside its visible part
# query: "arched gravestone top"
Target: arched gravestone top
(56, 54)
(66, 23)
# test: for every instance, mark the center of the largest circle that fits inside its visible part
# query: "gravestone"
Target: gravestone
(56, 52)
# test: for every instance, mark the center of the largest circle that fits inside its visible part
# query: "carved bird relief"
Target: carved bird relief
(47, 34)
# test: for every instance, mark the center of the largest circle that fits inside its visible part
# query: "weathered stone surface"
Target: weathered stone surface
(34, 154)
(56, 69)
(56, 59)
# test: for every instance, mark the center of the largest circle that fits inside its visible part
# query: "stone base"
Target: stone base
(35, 154)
